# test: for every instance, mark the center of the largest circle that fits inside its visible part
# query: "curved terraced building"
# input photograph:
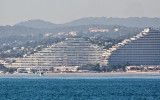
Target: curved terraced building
(142, 49)
(71, 52)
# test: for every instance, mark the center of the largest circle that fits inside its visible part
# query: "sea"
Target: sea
(80, 87)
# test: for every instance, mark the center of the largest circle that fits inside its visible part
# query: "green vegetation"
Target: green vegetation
(116, 67)
(92, 67)
(103, 41)
(108, 68)
(29, 47)
(4, 69)
(52, 69)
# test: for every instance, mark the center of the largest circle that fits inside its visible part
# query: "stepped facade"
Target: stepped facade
(142, 49)
(71, 52)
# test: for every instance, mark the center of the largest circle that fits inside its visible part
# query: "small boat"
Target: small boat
(41, 74)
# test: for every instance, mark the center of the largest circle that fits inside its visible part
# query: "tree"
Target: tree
(96, 68)
(2, 67)
(5, 69)
(52, 69)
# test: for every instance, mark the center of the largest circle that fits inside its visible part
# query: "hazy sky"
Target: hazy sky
(62, 11)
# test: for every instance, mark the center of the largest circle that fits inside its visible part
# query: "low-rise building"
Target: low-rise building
(98, 30)
(66, 69)
(143, 68)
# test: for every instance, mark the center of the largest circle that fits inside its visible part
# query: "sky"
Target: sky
(63, 11)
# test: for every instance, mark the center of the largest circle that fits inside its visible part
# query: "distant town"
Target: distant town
(79, 49)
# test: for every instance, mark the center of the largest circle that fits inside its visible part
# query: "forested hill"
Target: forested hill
(128, 22)
(37, 24)
(7, 31)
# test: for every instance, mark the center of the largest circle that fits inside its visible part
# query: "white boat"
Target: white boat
(41, 74)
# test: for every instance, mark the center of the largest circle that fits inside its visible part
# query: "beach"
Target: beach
(104, 73)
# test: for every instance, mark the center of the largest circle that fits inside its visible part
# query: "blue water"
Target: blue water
(71, 87)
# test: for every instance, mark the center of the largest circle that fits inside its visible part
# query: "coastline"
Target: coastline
(106, 73)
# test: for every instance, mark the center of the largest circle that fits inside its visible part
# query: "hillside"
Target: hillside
(34, 30)
(37, 24)
(128, 22)
(6, 31)
(15, 35)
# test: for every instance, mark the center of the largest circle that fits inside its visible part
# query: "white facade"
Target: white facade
(142, 49)
(71, 52)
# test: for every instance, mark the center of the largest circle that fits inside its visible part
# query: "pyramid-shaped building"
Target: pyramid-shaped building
(71, 52)
(142, 49)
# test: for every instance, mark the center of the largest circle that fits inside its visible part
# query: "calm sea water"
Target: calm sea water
(98, 87)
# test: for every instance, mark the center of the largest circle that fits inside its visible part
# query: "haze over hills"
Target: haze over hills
(37, 24)
(17, 30)
(128, 22)
(35, 29)
(6, 31)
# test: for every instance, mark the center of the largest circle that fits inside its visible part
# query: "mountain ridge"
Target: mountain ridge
(37, 23)
(128, 22)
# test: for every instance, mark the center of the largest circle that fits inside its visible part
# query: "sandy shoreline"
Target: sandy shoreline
(108, 73)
